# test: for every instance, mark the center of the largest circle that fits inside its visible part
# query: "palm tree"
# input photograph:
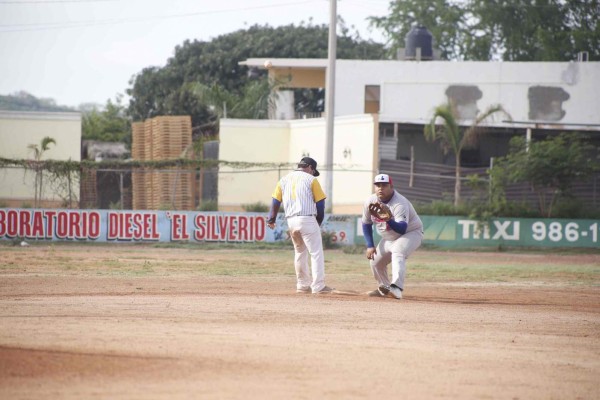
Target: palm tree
(38, 151)
(257, 98)
(454, 138)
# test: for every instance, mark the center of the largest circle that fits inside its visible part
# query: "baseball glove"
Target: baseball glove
(380, 211)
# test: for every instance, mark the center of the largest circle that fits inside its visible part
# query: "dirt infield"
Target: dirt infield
(124, 322)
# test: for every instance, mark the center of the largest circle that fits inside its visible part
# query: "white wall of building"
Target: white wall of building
(411, 90)
(286, 142)
(356, 160)
(20, 129)
(251, 141)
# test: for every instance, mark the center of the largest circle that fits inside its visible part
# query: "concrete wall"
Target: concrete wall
(355, 155)
(20, 129)
(267, 141)
(554, 92)
(253, 141)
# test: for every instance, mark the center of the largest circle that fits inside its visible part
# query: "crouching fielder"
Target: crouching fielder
(401, 233)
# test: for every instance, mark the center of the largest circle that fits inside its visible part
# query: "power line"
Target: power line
(368, 4)
(53, 1)
(7, 28)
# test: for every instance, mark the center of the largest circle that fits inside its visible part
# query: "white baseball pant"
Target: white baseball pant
(394, 251)
(306, 236)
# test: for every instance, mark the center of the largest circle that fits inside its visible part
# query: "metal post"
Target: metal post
(412, 166)
(490, 182)
(70, 191)
(121, 188)
(329, 100)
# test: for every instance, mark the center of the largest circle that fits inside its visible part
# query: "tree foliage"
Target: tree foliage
(511, 30)
(253, 103)
(108, 125)
(551, 167)
(446, 21)
(452, 137)
(38, 152)
(180, 86)
(23, 101)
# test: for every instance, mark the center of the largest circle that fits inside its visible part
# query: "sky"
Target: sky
(86, 51)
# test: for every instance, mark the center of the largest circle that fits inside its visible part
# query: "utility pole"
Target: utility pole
(329, 100)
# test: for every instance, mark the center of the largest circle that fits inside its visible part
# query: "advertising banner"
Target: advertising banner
(528, 232)
(193, 226)
(511, 232)
(154, 226)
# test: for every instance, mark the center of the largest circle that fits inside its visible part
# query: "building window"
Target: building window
(372, 99)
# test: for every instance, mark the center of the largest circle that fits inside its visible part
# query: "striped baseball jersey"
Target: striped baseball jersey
(299, 192)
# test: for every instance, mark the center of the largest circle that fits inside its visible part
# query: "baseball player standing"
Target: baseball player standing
(304, 204)
(401, 233)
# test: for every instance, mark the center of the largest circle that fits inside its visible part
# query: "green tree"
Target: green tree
(253, 103)
(446, 20)
(550, 167)
(180, 86)
(534, 30)
(38, 152)
(453, 138)
(23, 101)
(511, 30)
(157, 91)
(108, 125)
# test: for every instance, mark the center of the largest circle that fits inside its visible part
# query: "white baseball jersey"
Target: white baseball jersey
(402, 210)
(299, 192)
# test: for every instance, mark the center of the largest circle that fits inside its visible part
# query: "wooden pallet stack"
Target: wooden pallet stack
(172, 138)
(150, 173)
(138, 178)
(163, 138)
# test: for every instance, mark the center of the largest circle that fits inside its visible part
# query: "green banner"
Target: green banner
(527, 232)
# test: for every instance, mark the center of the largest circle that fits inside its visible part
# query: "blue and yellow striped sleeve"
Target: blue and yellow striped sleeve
(318, 193)
(277, 194)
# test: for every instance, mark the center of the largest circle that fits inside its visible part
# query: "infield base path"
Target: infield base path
(72, 335)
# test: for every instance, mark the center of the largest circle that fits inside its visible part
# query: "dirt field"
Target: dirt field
(125, 322)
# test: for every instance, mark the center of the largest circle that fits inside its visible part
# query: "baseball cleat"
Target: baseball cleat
(396, 291)
(325, 290)
(375, 293)
(381, 291)
(303, 290)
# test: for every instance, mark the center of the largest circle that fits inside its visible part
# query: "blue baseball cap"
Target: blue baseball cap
(307, 161)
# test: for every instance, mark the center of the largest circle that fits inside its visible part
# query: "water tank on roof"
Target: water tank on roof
(419, 44)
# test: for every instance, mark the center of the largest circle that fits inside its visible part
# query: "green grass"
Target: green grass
(276, 259)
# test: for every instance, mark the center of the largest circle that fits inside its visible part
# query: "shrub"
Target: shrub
(573, 208)
(255, 207)
(328, 242)
(208, 205)
(439, 207)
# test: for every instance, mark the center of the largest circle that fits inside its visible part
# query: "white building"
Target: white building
(400, 96)
(19, 130)
(534, 92)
